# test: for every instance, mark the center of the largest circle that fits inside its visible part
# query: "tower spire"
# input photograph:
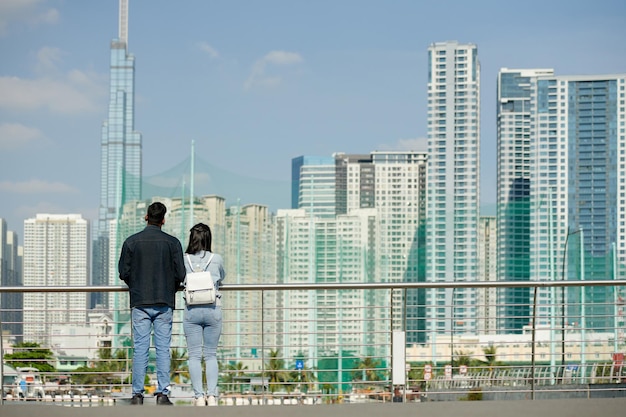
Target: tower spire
(123, 35)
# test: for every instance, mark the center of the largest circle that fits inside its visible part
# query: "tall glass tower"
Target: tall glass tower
(560, 209)
(120, 169)
(514, 115)
(453, 184)
(121, 144)
(576, 184)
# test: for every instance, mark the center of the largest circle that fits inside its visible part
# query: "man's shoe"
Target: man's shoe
(137, 399)
(163, 400)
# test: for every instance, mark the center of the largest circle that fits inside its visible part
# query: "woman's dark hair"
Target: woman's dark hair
(199, 238)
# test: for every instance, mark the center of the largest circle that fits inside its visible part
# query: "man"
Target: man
(151, 264)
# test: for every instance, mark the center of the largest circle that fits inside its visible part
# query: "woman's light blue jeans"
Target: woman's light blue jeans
(203, 328)
(143, 318)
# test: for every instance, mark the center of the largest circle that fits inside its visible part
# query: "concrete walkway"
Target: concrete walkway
(610, 407)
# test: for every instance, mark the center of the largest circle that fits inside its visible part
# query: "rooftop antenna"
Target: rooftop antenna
(123, 35)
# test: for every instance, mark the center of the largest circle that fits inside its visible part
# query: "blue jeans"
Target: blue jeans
(143, 319)
(203, 328)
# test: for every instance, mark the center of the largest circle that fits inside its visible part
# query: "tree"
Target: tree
(367, 369)
(104, 371)
(30, 354)
(275, 370)
(461, 358)
(490, 355)
(234, 370)
(179, 369)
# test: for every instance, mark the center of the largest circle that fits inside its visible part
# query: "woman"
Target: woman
(203, 323)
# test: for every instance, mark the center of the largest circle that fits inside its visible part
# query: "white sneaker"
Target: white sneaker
(211, 401)
(199, 402)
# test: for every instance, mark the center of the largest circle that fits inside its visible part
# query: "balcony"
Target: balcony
(340, 345)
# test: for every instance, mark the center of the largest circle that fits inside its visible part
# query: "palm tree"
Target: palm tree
(490, 358)
(275, 370)
(179, 370)
(490, 355)
(305, 378)
(367, 369)
(461, 358)
(235, 370)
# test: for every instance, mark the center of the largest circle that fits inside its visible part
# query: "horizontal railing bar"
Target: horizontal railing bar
(335, 286)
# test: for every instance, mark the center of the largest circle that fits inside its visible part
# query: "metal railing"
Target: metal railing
(327, 343)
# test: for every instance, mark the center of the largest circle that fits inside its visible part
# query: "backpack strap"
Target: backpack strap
(191, 265)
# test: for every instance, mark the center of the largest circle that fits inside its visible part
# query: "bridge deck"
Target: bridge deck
(553, 408)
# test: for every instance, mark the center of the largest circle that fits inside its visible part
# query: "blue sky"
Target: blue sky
(256, 83)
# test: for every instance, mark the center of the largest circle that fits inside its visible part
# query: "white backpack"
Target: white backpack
(199, 286)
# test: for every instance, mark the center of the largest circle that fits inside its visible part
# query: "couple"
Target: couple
(152, 265)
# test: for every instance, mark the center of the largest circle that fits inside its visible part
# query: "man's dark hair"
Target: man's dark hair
(156, 214)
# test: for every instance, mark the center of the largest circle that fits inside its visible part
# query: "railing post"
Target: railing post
(532, 358)
(263, 398)
(1, 364)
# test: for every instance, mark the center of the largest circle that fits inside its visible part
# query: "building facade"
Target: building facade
(453, 184)
(577, 178)
(56, 253)
(10, 276)
(560, 174)
(313, 185)
(393, 184)
(514, 114)
(120, 168)
(487, 265)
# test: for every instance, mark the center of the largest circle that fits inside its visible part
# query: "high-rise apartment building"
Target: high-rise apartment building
(249, 256)
(313, 185)
(120, 169)
(243, 235)
(453, 184)
(514, 113)
(313, 250)
(486, 298)
(10, 276)
(577, 178)
(56, 253)
(560, 208)
(393, 184)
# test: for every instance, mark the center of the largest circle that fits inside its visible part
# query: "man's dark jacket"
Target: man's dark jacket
(152, 265)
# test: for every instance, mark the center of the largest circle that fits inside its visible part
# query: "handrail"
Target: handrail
(336, 286)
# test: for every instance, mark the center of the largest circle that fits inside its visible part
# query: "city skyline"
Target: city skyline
(310, 80)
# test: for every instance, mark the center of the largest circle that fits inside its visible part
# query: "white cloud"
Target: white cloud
(36, 187)
(15, 136)
(416, 144)
(205, 47)
(28, 11)
(26, 211)
(273, 59)
(78, 92)
(47, 59)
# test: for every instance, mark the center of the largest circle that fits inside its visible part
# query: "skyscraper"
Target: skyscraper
(393, 185)
(120, 169)
(56, 253)
(560, 209)
(487, 262)
(453, 184)
(577, 176)
(313, 185)
(10, 276)
(514, 115)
